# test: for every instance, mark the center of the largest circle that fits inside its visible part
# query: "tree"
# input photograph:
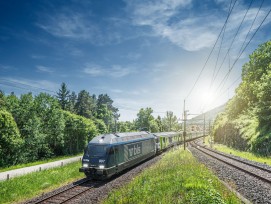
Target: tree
(159, 123)
(48, 110)
(72, 102)
(144, 116)
(245, 124)
(106, 111)
(10, 140)
(78, 132)
(2, 99)
(63, 96)
(85, 104)
(154, 126)
(170, 122)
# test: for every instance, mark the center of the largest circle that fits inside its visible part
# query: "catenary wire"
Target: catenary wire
(204, 66)
(13, 84)
(233, 39)
(218, 55)
(226, 76)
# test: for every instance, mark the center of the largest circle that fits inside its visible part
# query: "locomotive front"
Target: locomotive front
(94, 158)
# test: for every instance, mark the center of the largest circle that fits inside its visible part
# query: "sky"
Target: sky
(142, 53)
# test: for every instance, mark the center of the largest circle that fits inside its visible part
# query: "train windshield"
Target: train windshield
(97, 150)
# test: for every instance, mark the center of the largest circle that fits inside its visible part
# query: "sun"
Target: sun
(207, 97)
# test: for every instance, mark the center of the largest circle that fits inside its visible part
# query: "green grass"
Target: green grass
(31, 185)
(177, 178)
(37, 162)
(245, 155)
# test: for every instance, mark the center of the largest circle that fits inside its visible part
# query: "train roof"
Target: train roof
(165, 134)
(120, 137)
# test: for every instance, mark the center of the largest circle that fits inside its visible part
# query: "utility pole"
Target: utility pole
(204, 125)
(184, 125)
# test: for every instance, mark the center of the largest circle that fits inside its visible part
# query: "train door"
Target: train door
(117, 156)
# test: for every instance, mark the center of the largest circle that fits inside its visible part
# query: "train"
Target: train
(110, 154)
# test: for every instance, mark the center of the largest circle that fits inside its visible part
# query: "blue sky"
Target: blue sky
(144, 53)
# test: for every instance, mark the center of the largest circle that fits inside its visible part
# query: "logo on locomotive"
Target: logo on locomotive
(134, 149)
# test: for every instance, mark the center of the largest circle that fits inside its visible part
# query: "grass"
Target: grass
(28, 186)
(37, 162)
(177, 178)
(243, 154)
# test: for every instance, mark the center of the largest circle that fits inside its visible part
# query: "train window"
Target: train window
(97, 150)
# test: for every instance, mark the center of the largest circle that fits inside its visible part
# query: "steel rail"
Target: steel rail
(44, 200)
(231, 157)
(235, 166)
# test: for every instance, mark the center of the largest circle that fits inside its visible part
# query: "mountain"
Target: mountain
(209, 116)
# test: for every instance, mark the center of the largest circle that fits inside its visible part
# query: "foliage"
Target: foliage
(170, 122)
(126, 126)
(144, 118)
(246, 123)
(85, 104)
(106, 111)
(38, 129)
(71, 102)
(2, 100)
(63, 96)
(78, 132)
(10, 140)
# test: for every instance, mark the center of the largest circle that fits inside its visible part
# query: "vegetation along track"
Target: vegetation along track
(71, 192)
(246, 167)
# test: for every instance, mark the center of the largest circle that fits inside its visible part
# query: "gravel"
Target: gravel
(251, 188)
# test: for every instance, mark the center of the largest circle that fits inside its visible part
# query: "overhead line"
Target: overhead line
(234, 38)
(210, 52)
(240, 51)
(251, 25)
(19, 83)
(244, 48)
(212, 81)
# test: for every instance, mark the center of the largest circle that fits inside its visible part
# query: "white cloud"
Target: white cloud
(70, 25)
(115, 71)
(94, 70)
(82, 26)
(44, 69)
(192, 32)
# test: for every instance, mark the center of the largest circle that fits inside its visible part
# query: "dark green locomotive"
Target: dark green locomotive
(109, 154)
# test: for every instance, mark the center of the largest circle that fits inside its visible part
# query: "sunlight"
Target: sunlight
(207, 97)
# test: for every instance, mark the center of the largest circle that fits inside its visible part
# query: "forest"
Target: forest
(246, 122)
(36, 127)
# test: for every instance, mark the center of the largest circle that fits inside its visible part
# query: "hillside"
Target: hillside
(209, 115)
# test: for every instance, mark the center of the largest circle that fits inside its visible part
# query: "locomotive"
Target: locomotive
(109, 154)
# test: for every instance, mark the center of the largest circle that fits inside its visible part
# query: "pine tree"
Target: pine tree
(63, 96)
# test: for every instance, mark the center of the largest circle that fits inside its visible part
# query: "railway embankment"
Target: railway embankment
(251, 179)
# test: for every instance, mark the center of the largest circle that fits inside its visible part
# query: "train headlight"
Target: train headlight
(101, 166)
(85, 165)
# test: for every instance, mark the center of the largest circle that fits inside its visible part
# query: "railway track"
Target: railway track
(71, 192)
(256, 171)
